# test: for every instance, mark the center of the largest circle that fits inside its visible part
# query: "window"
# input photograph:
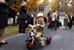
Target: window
(41, 8)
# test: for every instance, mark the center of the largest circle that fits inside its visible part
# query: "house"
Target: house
(43, 9)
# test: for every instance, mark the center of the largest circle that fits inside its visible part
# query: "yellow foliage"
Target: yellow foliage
(32, 4)
(54, 4)
(15, 5)
(73, 7)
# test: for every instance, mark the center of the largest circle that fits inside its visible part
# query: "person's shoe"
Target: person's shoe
(55, 29)
(3, 42)
(0, 44)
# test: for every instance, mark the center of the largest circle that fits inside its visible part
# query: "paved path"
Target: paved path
(61, 40)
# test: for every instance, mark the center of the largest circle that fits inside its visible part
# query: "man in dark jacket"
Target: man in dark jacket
(70, 21)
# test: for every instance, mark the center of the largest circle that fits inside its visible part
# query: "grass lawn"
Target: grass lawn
(11, 30)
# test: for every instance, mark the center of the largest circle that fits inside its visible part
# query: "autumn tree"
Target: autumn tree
(45, 2)
(15, 5)
(14, 8)
(73, 7)
(54, 4)
(32, 4)
(65, 6)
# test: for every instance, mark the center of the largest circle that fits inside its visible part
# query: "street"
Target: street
(17, 15)
(61, 40)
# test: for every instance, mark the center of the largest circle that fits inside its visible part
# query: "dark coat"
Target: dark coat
(23, 16)
(22, 19)
(4, 14)
(4, 7)
(22, 13)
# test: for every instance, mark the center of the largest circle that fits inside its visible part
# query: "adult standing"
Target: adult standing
(70, 21)
(66, 21)
(4, 5)
(54, 19)
(22, 17)
(49, 20)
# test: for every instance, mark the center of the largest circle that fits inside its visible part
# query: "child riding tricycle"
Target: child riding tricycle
(36, 33)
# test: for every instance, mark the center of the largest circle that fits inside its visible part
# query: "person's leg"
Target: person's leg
(3, 24)
(23, 28)
(52, 25)
(70, 26)
(20, 28)
(1, 34)
(58, 23)
(55, 25)
(1, 37)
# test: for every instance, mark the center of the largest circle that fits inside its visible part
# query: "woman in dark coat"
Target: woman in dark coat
(23, 18)
(3, 19)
